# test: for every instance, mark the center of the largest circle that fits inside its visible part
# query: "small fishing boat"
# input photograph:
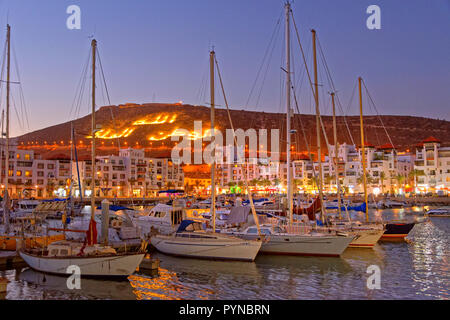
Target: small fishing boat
(192, 241)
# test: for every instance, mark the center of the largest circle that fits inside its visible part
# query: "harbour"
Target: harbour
(417, 269)
(291, 195)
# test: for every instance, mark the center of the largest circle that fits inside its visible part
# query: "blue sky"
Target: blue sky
(158, 51)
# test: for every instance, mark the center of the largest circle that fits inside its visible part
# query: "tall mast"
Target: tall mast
(71, 168)
(319, 151)
(213, 163)
(363, 149)
(8, 68)
(94, 130)
(288, 113)
(335, 160)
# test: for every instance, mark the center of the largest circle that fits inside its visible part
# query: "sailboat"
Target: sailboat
(288, 239)
(191, 239)
(366, 234)
(94, 260)
(26, 231)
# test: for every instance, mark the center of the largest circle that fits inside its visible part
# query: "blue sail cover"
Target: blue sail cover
(184, 224)
(56, 200)
(115, 208)
(361, 207)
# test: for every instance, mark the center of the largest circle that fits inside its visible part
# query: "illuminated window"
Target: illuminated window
(10, 173)
(18, 173)
(18, 156)
(27, 157)
(28, 173)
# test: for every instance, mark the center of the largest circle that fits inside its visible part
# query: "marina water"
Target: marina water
(418, 269)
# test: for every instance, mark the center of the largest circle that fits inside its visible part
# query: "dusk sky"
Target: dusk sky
(159, 50)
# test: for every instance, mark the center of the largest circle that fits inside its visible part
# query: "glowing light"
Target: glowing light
(193, 135)
(159, 119)
(109, 134)
(376, 191)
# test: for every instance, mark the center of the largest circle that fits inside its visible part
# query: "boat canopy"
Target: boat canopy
(115, 208)
(361, 207)
(186, 223)
(171, 191)
(56, 200)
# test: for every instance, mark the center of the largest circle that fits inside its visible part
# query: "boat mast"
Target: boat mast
(288, 113)
(94, 167)
(213, 163)
(71, 169)
(319, 151)
(336, 149)
(363, 149)
(8, 68)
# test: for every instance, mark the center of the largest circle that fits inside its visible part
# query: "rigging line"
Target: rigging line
(21, 95)
(107, 94)
(2, 71)
(264, 57)
(243, 168)
(379, 117)
(17, 114)
(332, 85)
(266, 71)
(76, 99)
(304, 135)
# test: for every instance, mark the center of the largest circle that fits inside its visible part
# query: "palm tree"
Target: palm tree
(413, 175)
(382, 177)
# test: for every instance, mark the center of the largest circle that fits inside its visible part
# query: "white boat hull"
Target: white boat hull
(222, 248)
(105, 266)
(304, 245)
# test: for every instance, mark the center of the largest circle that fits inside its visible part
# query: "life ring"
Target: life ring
(188, 204)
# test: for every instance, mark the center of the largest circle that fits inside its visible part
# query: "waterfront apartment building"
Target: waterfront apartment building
(129, 174)
(433, 166)
(31, 176)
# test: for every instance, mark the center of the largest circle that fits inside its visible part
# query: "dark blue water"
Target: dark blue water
(418, 269)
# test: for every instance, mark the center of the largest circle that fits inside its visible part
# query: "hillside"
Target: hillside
(149, 126)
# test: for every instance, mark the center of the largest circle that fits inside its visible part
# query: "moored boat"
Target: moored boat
(281, 242)
(442, 212)
(192, 241)
(93, 261)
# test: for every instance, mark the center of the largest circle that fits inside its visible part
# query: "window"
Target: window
(19, 173)
(18, 156)
(53, 252)
(50, 166)
(28, 173)
(27, 157)
(63, 252)
(40, 173)
(40, 166)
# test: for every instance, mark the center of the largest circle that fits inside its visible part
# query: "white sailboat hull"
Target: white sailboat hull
(101, 266)
(222, 248)
(305, 245)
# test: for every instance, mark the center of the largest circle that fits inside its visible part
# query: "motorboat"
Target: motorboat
(162, 218)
